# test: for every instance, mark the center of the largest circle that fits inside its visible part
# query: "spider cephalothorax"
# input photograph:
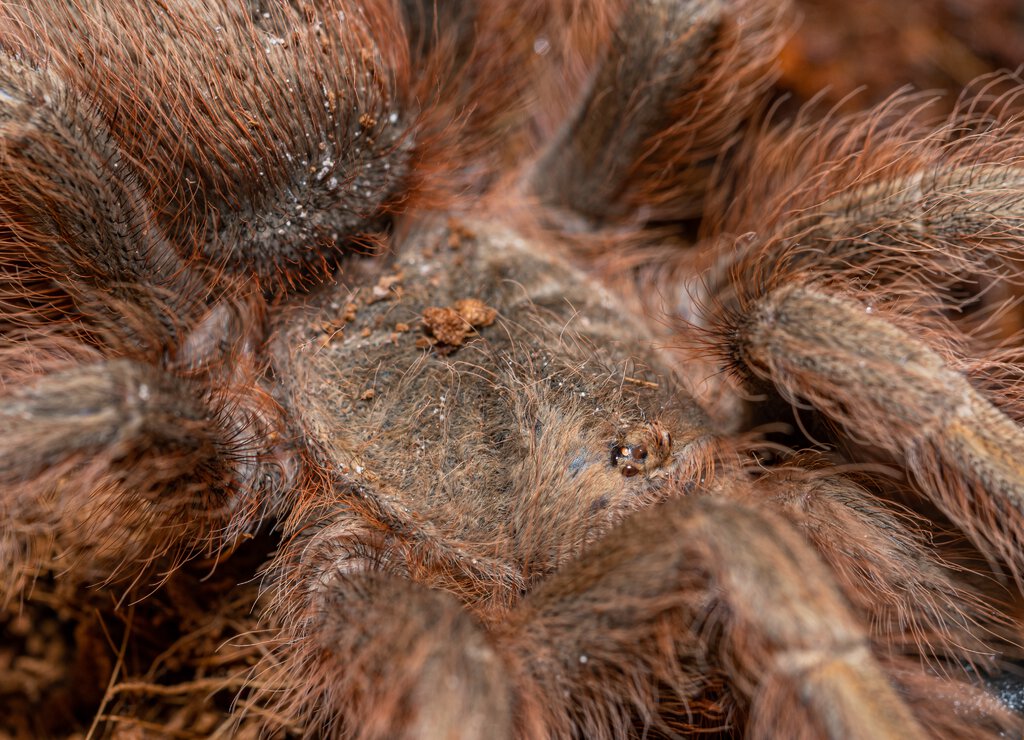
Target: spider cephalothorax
(375, 344)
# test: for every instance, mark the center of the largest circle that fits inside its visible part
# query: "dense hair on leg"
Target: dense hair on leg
(701, 588)
(674, 81)
(88, 230)
(129, 465)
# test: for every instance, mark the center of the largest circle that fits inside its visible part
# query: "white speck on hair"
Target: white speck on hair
(541, 46)
(325, 168)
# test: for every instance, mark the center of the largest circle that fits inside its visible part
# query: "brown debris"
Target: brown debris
(333, 328)
(446, 325)
(450, 327)
(457, 231)
(476, 312)
(387, 287)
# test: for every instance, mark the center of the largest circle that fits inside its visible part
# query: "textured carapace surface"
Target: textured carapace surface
(524, 439)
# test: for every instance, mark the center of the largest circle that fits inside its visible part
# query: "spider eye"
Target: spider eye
(629, 457)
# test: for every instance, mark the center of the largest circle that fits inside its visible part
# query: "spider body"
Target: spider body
(512, 442)
(274, 271)
(480, 466)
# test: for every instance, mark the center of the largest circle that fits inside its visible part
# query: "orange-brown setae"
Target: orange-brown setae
(401, 368)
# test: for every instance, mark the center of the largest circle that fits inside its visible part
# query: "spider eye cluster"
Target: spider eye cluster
(633, 458)
(629, 459)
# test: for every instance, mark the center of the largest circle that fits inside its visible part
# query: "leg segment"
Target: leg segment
(75, 218)
(702, 587)
(912, 600)
(130, 465)
(887, 386)
(676, 80)
(886, 199)
(371, 654)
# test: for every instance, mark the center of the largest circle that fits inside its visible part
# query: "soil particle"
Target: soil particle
(448, 328)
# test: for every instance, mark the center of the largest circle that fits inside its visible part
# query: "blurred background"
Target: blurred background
(879, 46)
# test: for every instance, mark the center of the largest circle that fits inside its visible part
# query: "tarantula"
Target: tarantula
(433, 302)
